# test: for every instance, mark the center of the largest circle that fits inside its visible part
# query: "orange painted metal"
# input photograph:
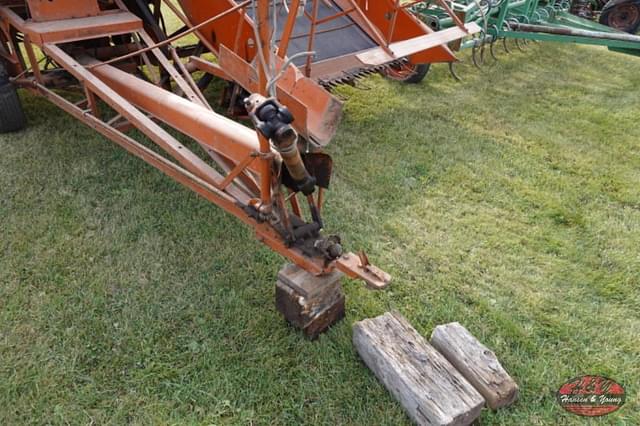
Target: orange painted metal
(317, 113)
(105, 24)
(182, 34)
(51, 10)
(215, 131)
(358, 267)
(244, 154)
(234, 31)
(407, 26)
(287, 31)
(234, 34)
(197, 63)
(264, 233)
(386, 22)
(264, 63)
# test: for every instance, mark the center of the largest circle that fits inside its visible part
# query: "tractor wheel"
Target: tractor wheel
(622, 16)
(11, 114)
(407, 72)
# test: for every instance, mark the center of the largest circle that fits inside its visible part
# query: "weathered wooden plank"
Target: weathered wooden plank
(477, 363)
(428, 387)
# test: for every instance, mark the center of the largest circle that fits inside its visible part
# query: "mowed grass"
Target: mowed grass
(508, 202)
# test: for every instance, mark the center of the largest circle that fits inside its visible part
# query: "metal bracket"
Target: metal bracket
(359, 267)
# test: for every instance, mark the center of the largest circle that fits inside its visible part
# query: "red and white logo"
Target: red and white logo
(591, 396)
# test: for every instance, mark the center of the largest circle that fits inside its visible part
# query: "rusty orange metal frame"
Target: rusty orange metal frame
(243, 172)
(398, 35)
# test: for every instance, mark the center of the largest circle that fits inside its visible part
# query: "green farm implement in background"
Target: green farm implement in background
(521, 21)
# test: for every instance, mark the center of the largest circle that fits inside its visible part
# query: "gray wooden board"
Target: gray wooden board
(477, 363)
(428, 387)
(306, 284)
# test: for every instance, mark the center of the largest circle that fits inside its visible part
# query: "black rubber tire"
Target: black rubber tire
(420, 71)
(12, 116)
(606, 15)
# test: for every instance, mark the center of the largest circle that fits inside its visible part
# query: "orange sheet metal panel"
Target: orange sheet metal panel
(51, 10)
(317, 112)
(233, 31)
(407, 26)
(83, 28)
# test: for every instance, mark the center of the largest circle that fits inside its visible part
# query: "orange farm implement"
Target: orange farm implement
(121, 69)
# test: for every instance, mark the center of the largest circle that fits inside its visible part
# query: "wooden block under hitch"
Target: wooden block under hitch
(310, 303)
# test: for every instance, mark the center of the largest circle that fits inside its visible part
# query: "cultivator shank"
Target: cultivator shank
(523, 21)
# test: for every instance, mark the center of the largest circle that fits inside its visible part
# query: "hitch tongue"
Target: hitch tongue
(358, 266)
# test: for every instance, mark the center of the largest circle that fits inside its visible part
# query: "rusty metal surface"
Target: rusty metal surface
(214, 130)
(64, 30)
(407, 26)
(337, 37)
(317, 111)
(358, 266)
(246, 179)
(51, 10)
(349, 38)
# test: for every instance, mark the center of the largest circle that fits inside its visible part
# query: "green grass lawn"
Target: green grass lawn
(509, 202)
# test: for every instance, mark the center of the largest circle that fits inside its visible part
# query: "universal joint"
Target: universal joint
(274, 120)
